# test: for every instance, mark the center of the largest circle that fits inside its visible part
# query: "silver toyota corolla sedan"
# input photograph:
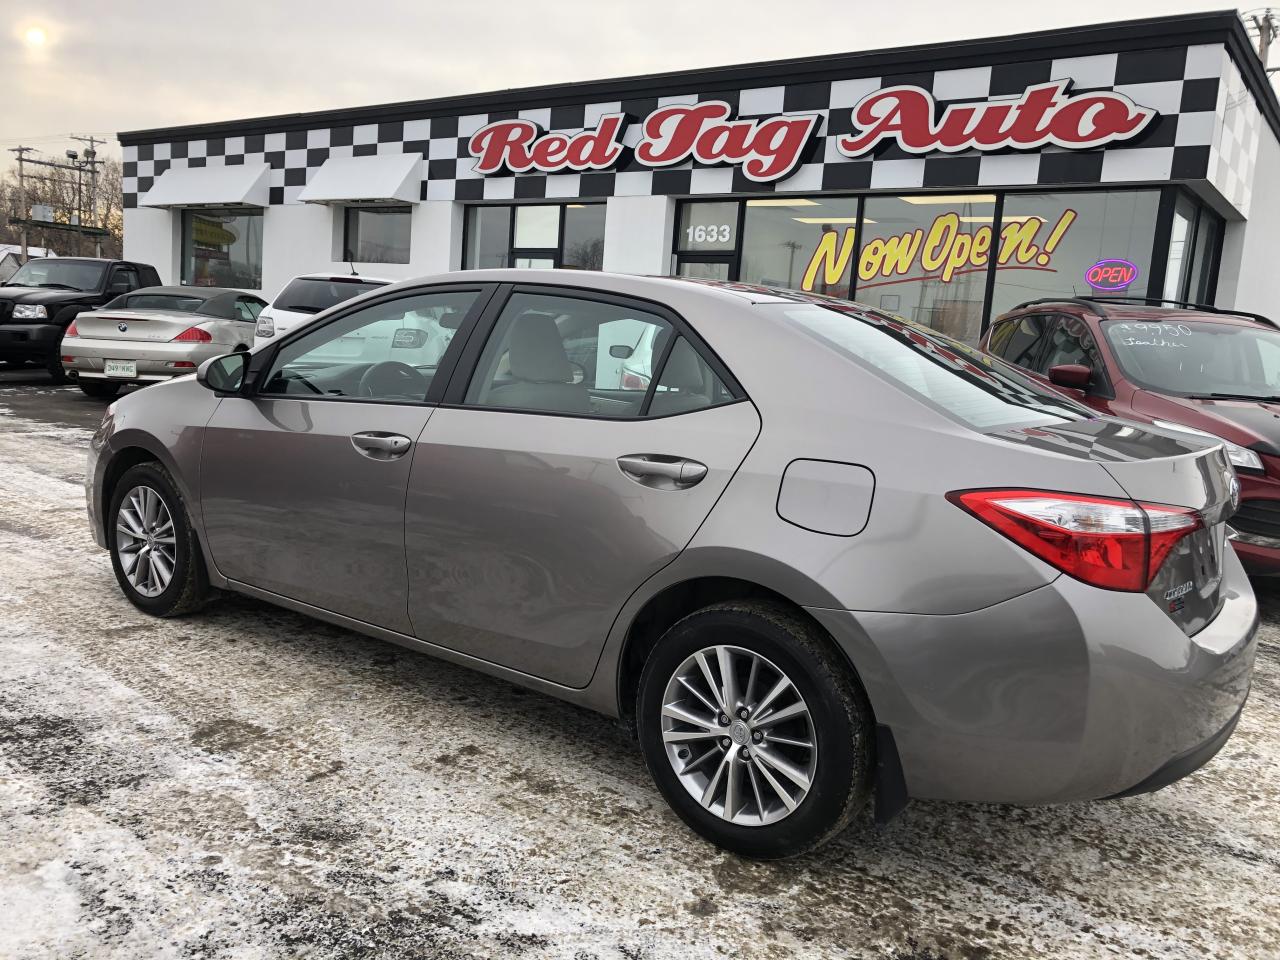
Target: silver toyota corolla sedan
(155, 334)
(820, 556)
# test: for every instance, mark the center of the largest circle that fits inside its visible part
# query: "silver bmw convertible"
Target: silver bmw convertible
(155, 334)
(817, 559)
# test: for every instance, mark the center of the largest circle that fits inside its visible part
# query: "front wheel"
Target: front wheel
(99, 390)
(154, 551)
(754, 730)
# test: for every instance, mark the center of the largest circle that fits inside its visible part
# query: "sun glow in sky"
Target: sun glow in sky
(35, 36)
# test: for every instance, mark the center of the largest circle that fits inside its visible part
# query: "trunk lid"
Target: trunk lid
(144, 325)
(1165, 467)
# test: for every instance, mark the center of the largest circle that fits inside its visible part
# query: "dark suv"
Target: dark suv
(39, 301)
(1187, 367)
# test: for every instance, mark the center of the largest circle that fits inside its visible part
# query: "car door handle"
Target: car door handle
(377, 445)
(662, 472)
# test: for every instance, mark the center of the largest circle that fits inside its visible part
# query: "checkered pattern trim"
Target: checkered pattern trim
(1185, 84)
(1238, 126)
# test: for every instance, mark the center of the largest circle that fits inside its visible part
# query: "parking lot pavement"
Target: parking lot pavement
(251, 783)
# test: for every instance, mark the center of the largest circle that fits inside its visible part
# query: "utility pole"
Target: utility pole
(22, 195)
(1266, 26)
(91, 160)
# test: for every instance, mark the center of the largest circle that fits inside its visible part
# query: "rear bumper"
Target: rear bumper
(29, 341)
(1064, 693)
(154, 360)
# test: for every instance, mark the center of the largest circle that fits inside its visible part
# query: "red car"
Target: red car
(1192, 368)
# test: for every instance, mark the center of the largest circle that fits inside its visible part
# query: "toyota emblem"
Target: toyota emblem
(122, 327)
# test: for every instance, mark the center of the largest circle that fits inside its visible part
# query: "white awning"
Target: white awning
(391, 176)
(246, 185)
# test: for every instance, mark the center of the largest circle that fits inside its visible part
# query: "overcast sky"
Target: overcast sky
(132, 64)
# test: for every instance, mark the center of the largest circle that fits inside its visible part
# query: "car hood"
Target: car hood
(1250, 423)
(41, 295)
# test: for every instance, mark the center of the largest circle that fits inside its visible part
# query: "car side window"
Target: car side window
(123, 279)
(554, 353)
(386, 351)
(1019, 341)
(248, 309)
(1071, 342)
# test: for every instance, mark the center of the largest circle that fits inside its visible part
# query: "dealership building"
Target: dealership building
(945, 183)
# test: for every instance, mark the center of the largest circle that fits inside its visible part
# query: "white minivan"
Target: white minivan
(303, 297)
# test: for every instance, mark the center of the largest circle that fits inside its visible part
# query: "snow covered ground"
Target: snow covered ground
(249, 783)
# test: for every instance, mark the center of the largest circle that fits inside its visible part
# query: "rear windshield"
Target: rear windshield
(160, 301)
(313, 294)
(946, 374)
(1198, 358)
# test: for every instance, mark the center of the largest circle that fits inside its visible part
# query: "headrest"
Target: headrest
(684, 369)
(536, 352)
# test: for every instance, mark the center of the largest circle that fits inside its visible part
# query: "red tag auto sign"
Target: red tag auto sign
(769, 148)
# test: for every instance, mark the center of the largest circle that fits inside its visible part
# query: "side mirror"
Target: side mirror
(1073, 375)
(225, 374)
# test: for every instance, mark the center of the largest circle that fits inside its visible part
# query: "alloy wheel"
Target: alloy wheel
(739, 735)
(145, 541)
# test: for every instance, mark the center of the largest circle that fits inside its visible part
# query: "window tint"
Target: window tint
(388, 351)
(687, 383)
(1019, 341)
(564, 355)
(313, 294)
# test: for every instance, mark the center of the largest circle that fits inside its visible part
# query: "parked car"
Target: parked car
(837, 555)
(155, 334)
(303, 297)
(1190, 368)
(40, 300)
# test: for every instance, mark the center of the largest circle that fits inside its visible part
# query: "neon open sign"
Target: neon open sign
(1111, 275)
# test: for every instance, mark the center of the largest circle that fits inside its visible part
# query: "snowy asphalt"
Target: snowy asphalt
(248, 783)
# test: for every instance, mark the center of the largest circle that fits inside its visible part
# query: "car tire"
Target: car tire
(99, 390)
(187, 586)
(784, 645)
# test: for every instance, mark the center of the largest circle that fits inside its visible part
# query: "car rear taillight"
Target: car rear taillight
(634, 381)
(1113, 544)
(72, 331)
(193, 335)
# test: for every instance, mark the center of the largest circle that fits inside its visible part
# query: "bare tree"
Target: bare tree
(57, 189)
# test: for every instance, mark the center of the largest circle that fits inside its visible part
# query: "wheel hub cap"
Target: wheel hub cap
(759, 768)
(145, 541)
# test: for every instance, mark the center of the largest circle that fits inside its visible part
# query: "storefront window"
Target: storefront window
(376, 234)
(708, 227)
(488, 237)
(1208, 236)
(925, 258)
(222, 248)
(1050, 241)
(1180, 238)
(785, 241)
(584, 236)
(537, 236)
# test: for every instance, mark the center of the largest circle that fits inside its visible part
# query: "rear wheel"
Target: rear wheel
(754, 730)
(99, 390)
(154, 551)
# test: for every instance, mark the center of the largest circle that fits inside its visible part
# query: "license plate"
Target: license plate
(120, 368)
